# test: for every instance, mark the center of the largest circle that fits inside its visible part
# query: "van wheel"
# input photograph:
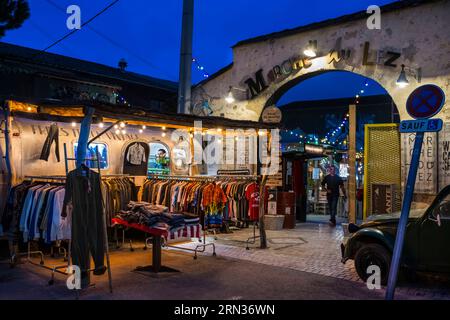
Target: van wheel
(372, 254)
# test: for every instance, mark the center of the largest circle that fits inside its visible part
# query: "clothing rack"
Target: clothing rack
(199, 248)
(233, 172)
(105, 231)
(54, 269)
(201, 179)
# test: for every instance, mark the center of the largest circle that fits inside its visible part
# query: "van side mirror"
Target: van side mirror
(437, 214)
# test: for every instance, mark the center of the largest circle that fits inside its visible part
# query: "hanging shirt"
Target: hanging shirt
(252, 195)
(136, 154)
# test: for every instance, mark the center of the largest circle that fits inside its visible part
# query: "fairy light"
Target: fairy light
(200, 68)
(163, 134)
(122, 124)
(117, 131)
(116, 126)
(144, 127)
(74, 124)
(124, 132)
(101, 125)
(141, 131)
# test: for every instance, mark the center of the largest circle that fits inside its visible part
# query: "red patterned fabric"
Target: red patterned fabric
(193, 231)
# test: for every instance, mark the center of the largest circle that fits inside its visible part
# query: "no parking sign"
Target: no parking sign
(423, 103)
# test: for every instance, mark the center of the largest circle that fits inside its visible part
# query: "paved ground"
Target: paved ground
(205, 278)
(303, 263)
(313, 248)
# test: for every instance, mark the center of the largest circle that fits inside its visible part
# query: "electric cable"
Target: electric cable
(84, 24)
(118, 45)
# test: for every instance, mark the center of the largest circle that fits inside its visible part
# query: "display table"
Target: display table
(157, 235)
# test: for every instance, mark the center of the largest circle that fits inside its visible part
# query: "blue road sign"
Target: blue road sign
(421, 125)
(425, 102)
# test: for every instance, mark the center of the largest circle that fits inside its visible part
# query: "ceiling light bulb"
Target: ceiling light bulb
(163, 134)
(310, 50)
(74, 124)
(116, 126)
(122, 124)
(144, 127)
(219, 130)
(117, 131)
(309, 53)
(124, 132)
(163, 127)
(101, 125)
(29, 108)
(402, 81)
(140, 130)
(230, 98)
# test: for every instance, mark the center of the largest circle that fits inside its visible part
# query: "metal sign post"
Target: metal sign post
(423, 103)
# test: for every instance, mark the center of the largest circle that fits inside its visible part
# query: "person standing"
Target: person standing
(333, 182)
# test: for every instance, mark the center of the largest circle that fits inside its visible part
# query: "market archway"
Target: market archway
(315, 135)
(265, 64)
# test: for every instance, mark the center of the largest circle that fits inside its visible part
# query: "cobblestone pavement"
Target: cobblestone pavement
(310, 247)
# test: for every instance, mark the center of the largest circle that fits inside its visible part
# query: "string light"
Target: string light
(122, 124)
(144, 127)
(200, 68)
(120, 99)
(74, 124)
(101, 125)
(124, 132)
(117, 131)
(163, 134)
(140, 130)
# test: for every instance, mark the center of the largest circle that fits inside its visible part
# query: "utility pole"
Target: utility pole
(184, 87)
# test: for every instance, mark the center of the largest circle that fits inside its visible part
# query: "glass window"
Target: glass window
(158, 159)
(91, 153)
(443, 208)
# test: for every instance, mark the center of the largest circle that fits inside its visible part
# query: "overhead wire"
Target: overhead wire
(118, 45)
(84, 24)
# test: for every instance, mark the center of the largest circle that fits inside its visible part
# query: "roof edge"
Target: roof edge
(390, 7)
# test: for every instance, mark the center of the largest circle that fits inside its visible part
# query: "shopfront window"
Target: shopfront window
(159, 159)
(91, 154)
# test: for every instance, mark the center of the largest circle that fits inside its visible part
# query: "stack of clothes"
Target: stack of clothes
(155, 216)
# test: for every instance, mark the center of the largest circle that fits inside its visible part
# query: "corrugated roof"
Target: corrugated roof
(37, 57)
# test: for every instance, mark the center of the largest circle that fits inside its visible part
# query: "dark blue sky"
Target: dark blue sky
(147, 33)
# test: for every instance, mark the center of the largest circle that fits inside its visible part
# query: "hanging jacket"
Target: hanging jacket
(53, 135)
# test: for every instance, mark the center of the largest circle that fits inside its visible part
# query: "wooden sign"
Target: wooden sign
(271, 115)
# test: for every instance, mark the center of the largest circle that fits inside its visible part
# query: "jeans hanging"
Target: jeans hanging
(53, 135)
